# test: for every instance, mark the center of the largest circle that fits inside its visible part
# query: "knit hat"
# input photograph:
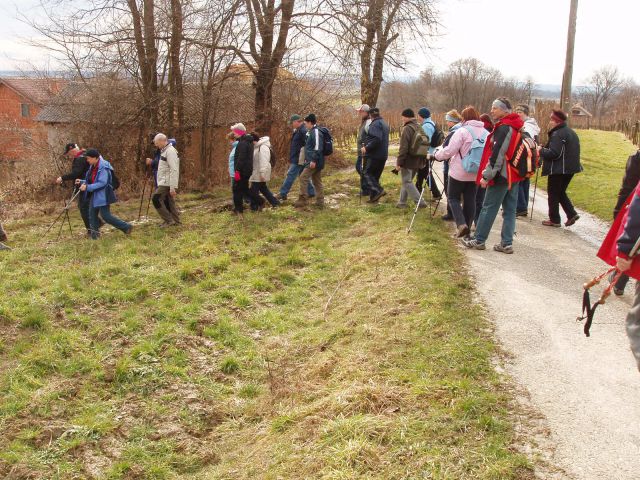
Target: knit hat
(374, 111)
(424, 112)
(239, 129)
(93, 153)
(559, 116)
(69, 146)
(408, 113)
(295, 118)
(311, 118)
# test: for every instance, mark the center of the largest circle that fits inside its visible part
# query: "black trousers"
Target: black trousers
(557, 193)
(371, 173)
(241, 190)
(422, 176)
(464, 213)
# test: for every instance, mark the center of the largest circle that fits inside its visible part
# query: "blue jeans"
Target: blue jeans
(523, 196)
(294, 172)
(496, 196)
(108, 217)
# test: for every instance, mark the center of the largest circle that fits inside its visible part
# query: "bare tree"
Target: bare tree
(603, 84)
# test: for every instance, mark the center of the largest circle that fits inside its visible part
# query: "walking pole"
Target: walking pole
(535, 190)
(65, 211)
(149, 202)
(144, 189)
(415, 212)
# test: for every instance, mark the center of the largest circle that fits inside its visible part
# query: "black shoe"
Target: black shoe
(522, 213)
(447, 218)
(376, 197)
(572, 220)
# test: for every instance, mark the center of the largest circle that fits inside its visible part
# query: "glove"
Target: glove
(236, 176)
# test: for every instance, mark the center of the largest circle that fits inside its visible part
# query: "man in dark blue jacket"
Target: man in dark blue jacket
(375, 151)
(313, 163)
(298, 140)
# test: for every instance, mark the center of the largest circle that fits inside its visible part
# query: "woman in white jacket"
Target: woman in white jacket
(461, 194)
(262, 171)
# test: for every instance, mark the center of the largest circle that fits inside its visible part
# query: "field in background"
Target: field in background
(325, 344)
(604, 156)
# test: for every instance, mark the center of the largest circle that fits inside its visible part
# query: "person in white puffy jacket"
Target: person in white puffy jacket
(262, 171)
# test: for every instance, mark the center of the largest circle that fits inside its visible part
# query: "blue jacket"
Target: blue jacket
(376, 140)
(313, 148)
(429, 127)
(298, 141)
(232, 168)
(101, 192)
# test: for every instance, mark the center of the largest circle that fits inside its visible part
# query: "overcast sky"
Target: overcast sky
(520, 38)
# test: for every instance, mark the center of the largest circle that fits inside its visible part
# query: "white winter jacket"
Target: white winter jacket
(261, 161)
(169, 168)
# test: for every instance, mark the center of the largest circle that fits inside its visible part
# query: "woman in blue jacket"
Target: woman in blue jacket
(99, 193)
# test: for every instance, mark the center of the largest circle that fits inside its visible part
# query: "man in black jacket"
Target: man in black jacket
(629, 183)
(561, 157)
(375, 151)
(79, 168)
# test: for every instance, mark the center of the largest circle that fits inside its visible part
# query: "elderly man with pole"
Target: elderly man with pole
(168, 176)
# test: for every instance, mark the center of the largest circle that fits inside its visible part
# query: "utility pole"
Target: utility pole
(565, 95)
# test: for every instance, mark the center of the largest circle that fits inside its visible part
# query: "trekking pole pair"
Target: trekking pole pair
(65, 213)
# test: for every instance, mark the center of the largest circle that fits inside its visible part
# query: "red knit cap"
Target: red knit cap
(558, 116)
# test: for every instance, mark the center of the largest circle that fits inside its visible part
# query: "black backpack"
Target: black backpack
(438, 135)
(327, 141)
(115, 181)
(272, 157)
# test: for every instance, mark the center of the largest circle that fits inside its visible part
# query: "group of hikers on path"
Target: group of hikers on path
(488, 160)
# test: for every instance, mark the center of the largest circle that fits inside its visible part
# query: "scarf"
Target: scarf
(94, 172)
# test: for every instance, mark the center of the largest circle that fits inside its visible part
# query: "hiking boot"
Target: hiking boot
(281, 197)
(618, 292)
(508, 249)
(423, 205)
(402, 206)
(475, 244)
(128, 232)
(522, 213)
(462, 231)
(300, 203)
(549, 223)
(377, 196)
(572, 220)
(4, 247)
(166, 225)
(447, 217)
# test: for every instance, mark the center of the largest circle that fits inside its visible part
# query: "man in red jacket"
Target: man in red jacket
(499, 178)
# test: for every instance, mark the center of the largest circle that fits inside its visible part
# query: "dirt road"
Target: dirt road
(587, 388)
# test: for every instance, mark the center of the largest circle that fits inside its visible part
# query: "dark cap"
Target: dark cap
(311, 118)
(93, 153)
(559, 116)
(408, 113)
(374, 111)
(69, 146)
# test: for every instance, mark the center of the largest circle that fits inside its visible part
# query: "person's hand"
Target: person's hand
(484, 183)
(83, 187)
(623, 264)
(59, 180)
(364, 150)
(312, 165)
(173, 193)
(148, 161)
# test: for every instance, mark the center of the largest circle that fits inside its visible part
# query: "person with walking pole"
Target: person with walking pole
(412, 156)
(79, 168)
(97, 188)
(530, 127)
(167, 180)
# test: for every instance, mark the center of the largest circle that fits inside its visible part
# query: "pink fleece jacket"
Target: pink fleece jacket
(458, 147)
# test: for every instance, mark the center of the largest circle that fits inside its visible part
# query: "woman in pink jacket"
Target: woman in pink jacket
(464, 153)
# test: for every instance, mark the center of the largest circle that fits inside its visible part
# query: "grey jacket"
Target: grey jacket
(169, 168)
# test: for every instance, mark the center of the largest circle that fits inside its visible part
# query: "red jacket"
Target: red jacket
(505, 129)
(623, 234)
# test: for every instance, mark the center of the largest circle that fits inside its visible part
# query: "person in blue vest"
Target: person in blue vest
(98, 191)
(429, 127)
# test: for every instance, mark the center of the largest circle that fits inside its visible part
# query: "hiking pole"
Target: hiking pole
(415, 212)
(535, 190)
(64, 211)
(144, 189)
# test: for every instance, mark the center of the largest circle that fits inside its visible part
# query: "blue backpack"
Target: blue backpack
(471, 161)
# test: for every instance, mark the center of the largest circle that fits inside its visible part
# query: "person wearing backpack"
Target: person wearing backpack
(533, 130)
(435, 140)
(464, 152)
(79, 167)
(499, 177)
(298, 139)
(412, 156)
(262, 158)
(374, 152)
(454, 120)
(317, 146)
(99, 192)
(561, 161)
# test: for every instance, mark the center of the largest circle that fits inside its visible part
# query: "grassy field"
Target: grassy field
(604, 156)
(320, 344)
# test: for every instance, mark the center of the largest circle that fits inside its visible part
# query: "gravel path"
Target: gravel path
(587, 388)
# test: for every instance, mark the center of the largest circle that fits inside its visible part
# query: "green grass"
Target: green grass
(321, 344)
(604, 156)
